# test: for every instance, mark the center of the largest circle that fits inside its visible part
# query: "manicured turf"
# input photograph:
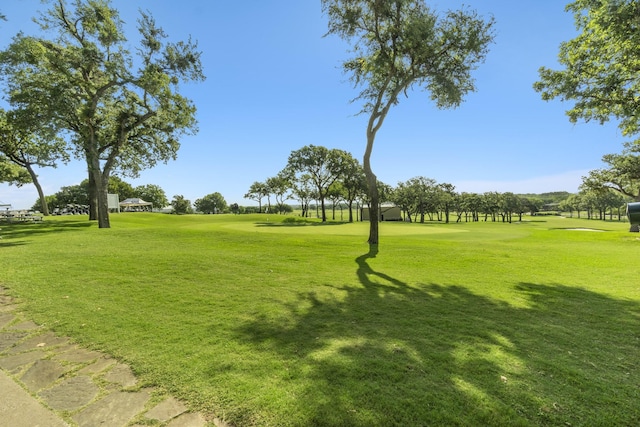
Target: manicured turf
(271, 320)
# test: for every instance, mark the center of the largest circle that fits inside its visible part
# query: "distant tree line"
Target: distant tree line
(321, 177)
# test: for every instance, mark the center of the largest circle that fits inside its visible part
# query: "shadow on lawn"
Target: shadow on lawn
(25, 230)
(299, 222)
(393, 354)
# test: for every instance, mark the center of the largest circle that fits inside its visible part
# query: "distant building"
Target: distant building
(388, 212)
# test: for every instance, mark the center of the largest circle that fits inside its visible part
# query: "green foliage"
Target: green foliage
(257, 192)
(117, 186)
(294, 322)
(121, 118)
(12, 173)
(321, 167)
(401, 45)
(622, 174)
(181, 205)
(235, 209)
(73, 194)
(600, 65)
(211, 203)
(152, 193)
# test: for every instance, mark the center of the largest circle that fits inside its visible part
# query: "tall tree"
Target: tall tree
(279, 186)
(353, 182)
(211, 203)
(600, 66)
(124, 111)
(257, 191)
(181, 205)
(324, 167)
(400, 45)
(303, 189)
(448, 198)
(29, 144)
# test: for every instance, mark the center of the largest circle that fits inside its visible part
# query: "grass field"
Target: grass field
(278, 321)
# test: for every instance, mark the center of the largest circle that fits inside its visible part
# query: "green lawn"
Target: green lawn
(296, 323)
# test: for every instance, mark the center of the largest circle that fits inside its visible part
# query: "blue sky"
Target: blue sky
(274, 85)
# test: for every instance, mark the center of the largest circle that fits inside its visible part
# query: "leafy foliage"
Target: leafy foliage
(622, 174)
(211, 203)
(121, 117)
(181, 205)
(600, 73)
(12, 173)
(322, 166)
(399, 45)
(152, 193)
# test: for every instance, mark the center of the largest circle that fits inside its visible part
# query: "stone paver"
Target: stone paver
(15, 362)
(166, 410)
(76, 386)
(48, 339)
(98, 366)
(6, 318)
(24, 326)
(19, 409)
(122, 375)
(188, 420)
(8, 339)
(42, 374)
(71, 394)
(117, 409)
(77, 355)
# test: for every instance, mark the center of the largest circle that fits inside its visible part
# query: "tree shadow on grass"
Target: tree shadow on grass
(299, 222)
(25, 230)
(387, 353)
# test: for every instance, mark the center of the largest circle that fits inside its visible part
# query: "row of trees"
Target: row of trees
(316, 173)
(319, 174)
(79, 195)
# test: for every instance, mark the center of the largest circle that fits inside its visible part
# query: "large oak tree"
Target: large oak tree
(123, 110)
(600, 66)
(399, 45)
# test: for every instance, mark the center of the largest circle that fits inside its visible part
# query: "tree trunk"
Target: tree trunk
(93, 198)
(34, 178)
(99, 186)
(372, 187)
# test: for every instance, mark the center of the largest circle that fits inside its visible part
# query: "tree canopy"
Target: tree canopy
(29, 144)
(600, 66)
(211, 203)
(399, 45)
(622, 174)
(321, 165)
(12, 173)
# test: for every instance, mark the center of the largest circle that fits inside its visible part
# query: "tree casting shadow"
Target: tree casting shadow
(388, 353)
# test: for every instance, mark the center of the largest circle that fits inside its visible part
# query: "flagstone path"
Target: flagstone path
(46, 380)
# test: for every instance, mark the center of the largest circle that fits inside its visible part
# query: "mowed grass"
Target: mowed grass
(279, 321)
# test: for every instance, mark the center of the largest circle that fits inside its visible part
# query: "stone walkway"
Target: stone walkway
(46, 380)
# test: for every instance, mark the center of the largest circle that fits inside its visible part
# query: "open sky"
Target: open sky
(274, 84)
